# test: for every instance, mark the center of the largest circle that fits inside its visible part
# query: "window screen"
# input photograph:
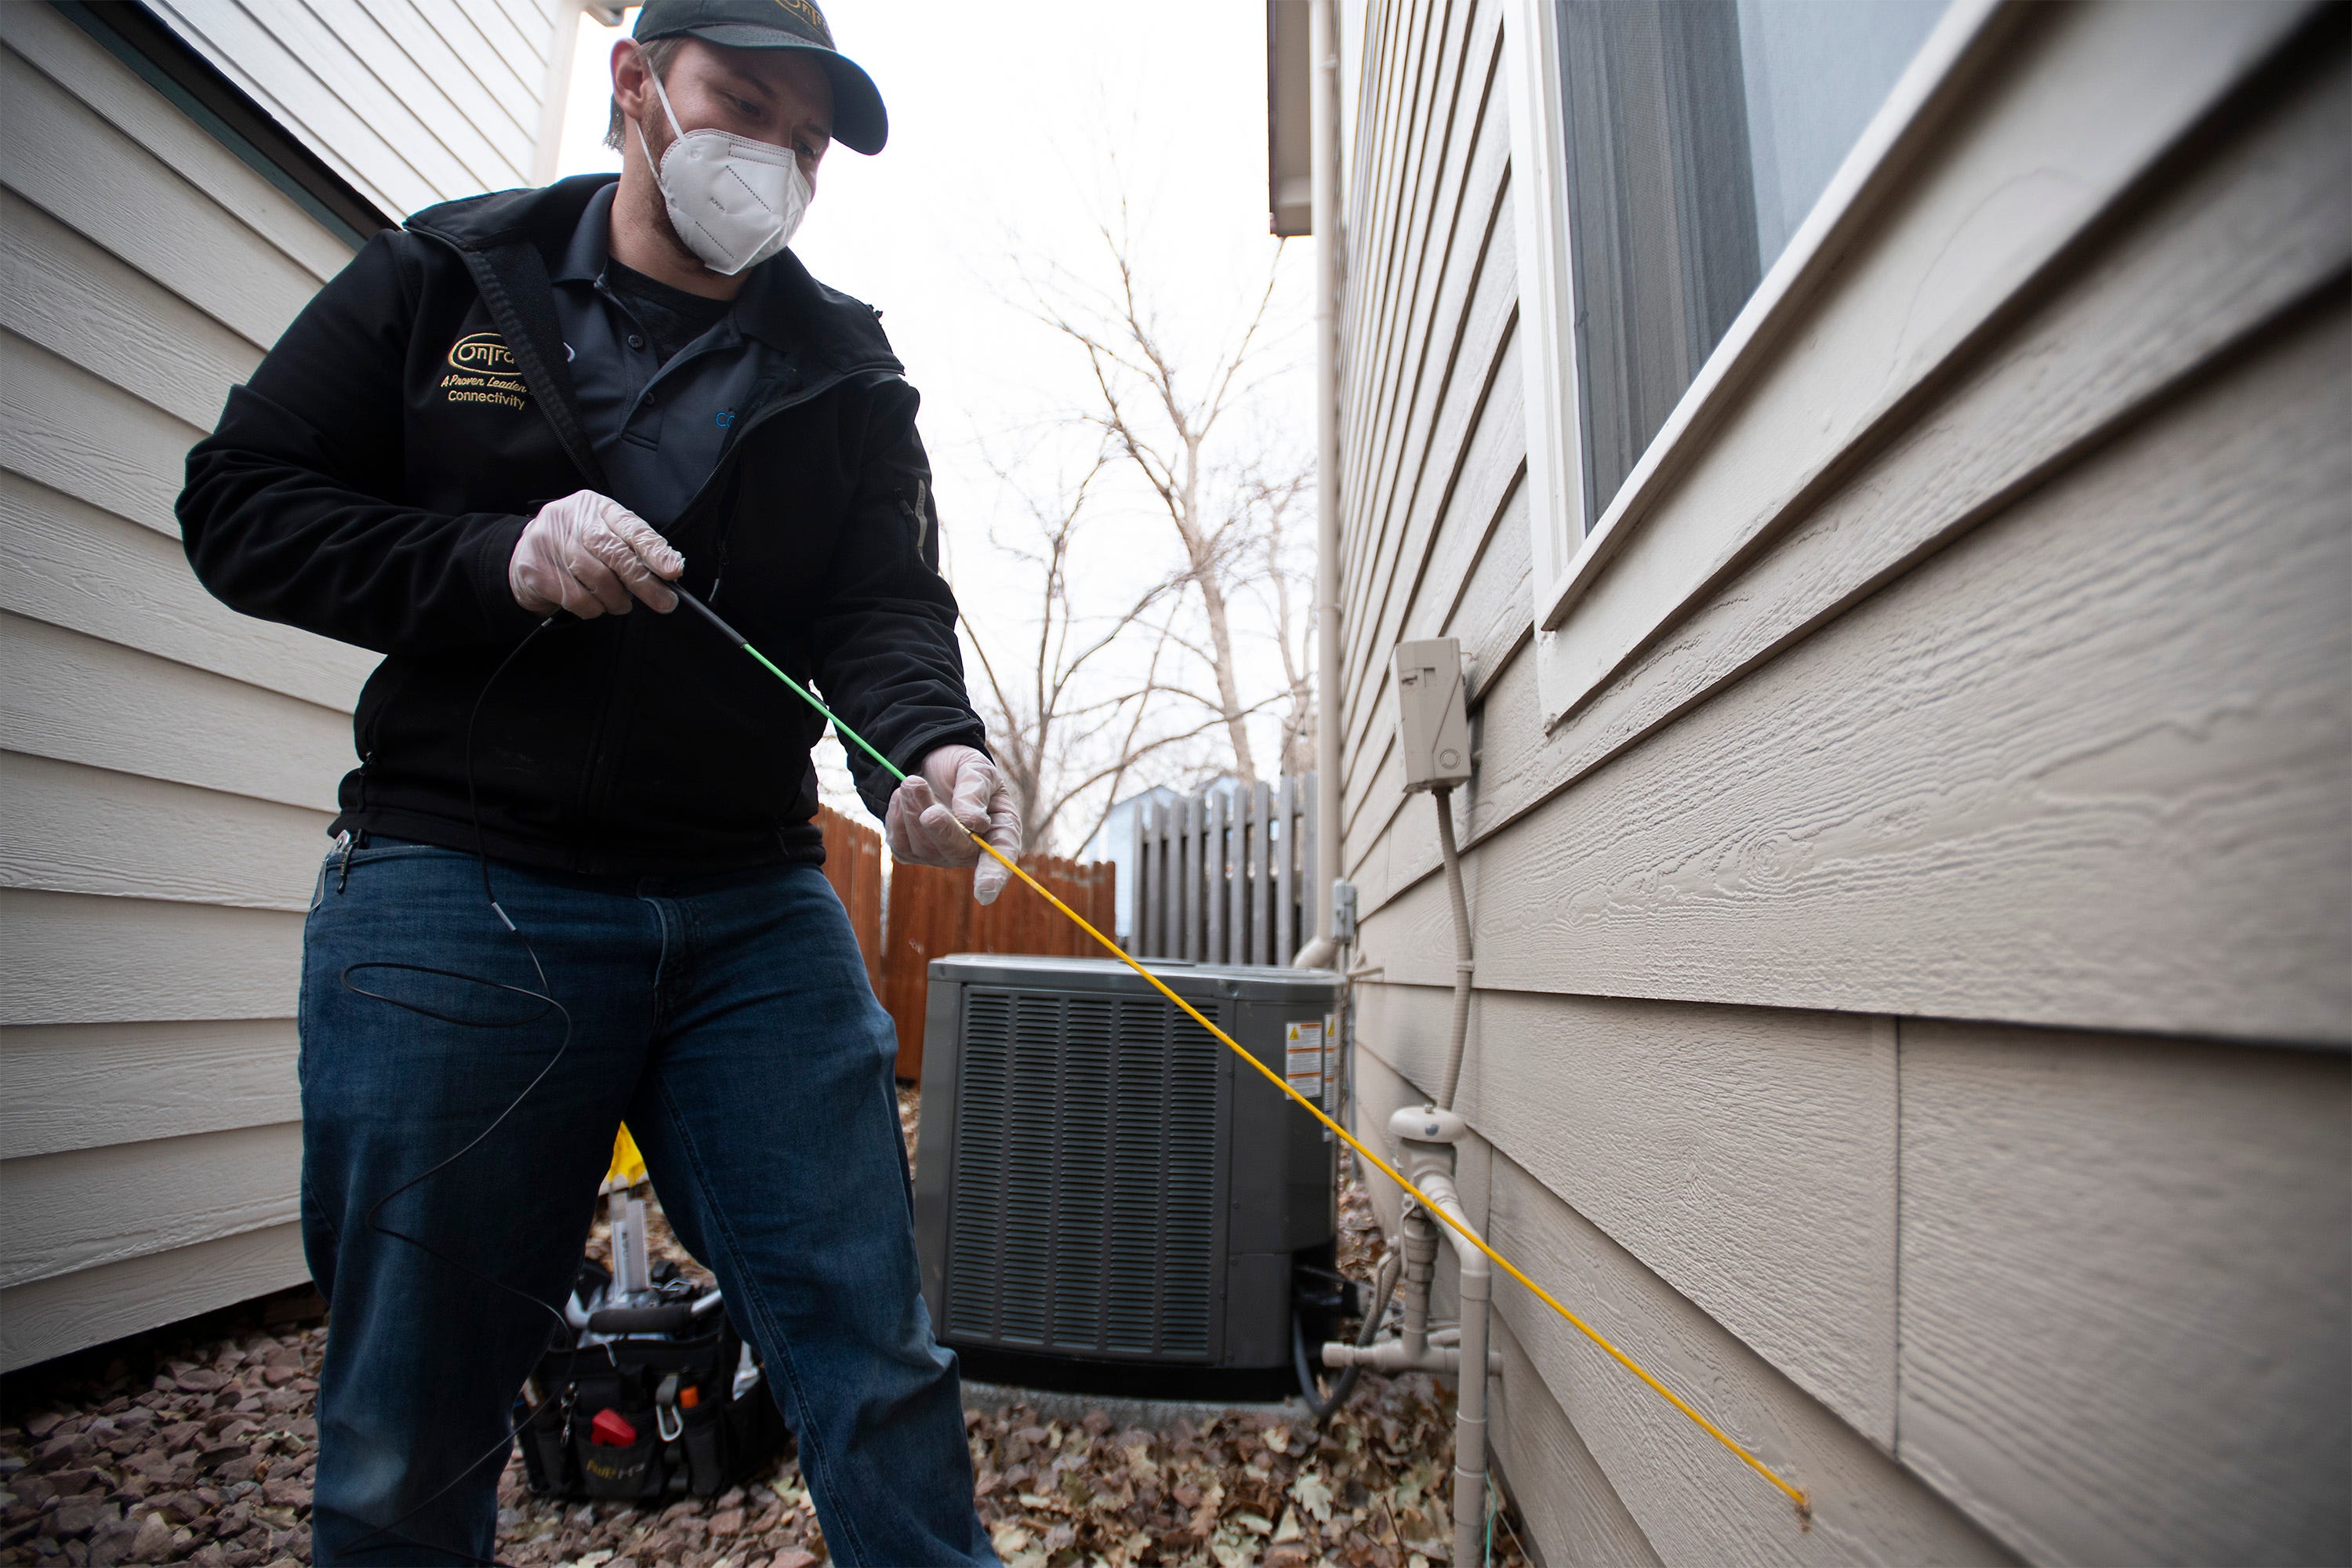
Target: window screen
(1700, 134)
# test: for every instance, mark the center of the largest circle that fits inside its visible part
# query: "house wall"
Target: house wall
(167, 767)
(412, 101)
(1912, 885)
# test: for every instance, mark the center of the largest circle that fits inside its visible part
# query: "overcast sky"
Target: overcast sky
(1013, 130)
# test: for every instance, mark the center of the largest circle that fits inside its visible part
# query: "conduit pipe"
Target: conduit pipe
(1477, 1290)
(1323, 110)
(1464, 960)
(1388, 1356)
(1429, 1138)
(1420, 1274)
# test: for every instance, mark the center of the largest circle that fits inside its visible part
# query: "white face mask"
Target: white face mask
(735, 202)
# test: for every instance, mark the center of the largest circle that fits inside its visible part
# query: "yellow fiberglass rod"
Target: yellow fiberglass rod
(1795, 1494)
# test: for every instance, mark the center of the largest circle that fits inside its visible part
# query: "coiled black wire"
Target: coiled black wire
(544, 995)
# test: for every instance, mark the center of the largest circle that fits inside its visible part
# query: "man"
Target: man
(487, 451)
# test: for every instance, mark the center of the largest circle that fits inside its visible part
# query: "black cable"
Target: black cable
(1319, 1404)
(550, 1004)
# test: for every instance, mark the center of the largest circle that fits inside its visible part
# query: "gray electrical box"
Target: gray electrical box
(1433, 721)
(1099, 1179)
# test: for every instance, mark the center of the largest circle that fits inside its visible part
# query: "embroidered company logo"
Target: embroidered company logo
(482, 351)
(482, 371)
(808, 16)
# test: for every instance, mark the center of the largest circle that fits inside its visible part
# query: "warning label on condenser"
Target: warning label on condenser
(1303, 1058)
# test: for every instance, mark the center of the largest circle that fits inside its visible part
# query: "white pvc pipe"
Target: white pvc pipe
(1419, 1272)
(1418, 1350)
(1323, 112)
(1470, 1411)
(1465, 966)
(1388, 1355)
(1470, 1401)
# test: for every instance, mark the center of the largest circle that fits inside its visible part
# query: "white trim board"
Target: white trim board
(1531, 74)
(1994, 153)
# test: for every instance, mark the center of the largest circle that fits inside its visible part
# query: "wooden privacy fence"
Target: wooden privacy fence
(853, 864)
(933, 914)
(1227, 876)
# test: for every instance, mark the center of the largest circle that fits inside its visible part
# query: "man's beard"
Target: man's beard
(679, 246)
(662, 224)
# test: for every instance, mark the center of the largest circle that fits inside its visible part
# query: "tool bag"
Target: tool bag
(646, 1401)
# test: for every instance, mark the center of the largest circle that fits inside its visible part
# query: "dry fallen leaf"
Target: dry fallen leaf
(1232, 1550)
(1053, 1493)
(1017, 1547)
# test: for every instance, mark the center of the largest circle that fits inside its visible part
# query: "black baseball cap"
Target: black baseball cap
(860, 122)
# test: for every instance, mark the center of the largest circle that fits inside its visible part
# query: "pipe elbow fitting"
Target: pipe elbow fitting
(1426, 1124)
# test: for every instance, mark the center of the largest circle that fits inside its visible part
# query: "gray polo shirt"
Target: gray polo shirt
(659, 427)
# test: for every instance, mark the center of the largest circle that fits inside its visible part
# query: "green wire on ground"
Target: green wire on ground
(1796, 1495)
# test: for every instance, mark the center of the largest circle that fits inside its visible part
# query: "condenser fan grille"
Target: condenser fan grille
(1084, 1207)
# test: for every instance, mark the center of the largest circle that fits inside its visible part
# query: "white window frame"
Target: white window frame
(1568, 550)
(1547, 292)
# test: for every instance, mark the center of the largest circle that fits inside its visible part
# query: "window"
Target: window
(1674, 148)
(1699, 133)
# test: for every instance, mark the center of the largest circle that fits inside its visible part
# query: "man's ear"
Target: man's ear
(630, 78)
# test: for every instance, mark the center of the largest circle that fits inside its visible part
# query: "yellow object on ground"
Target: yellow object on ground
(628, 1166)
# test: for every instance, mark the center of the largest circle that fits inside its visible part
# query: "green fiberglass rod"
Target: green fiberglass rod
(802, 692)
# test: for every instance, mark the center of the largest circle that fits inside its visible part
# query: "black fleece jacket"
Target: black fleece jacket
(369, 482)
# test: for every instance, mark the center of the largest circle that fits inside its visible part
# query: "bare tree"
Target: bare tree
(1062, 727)
(1269, 503)
(1176, 432)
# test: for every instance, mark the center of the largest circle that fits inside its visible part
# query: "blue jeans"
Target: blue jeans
(729, 1019)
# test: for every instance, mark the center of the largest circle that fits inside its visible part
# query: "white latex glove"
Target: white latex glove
(928, 832)
(591, 555)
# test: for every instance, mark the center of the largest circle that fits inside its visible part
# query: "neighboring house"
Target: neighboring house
(177, 181)
(1890, 474)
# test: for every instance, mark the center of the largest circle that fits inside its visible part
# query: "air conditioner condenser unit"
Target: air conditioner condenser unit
(1099, 1180)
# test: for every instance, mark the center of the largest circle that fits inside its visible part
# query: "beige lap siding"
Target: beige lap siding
(167, 767)
(2030, 704)
(412, 101)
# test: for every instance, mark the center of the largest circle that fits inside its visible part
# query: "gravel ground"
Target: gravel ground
(192, 1445)
(195, 1443)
